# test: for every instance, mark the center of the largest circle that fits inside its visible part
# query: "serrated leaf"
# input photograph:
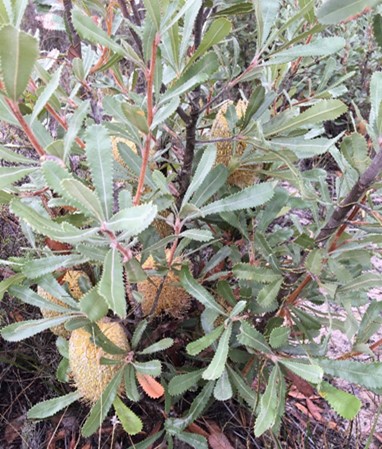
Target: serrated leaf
(375, 97)
(111, 285)
(324, 46)
(28, 296)
(102, 406)
(248, 198)
(217, 365)
(251, 337)
(204, 167)
(268, 403)
(334, 11)
(74, 126)
(38, 267)
(84, 196)
(371, 322)
(215, 179)
(150, 386)
(25, 329)
(311, 373)
(343, 403)
(11, 156)
(100, 159)
(89, 31)
(199, 235)
(52, 406)
(194, 440)
(198, 292)
(364, 281)
(314, 261)
(269, 293)
(304, 148)
(131, 423)
(367, 374)
(6, 283)
(279, 337)
(131, 384)
(134, 220)
(165, 111)
(147, 442)
(321, 111)
(161, 345)
(377, 29)
(223, 388)
(152, 368)
(9, 175)
(199, 345)
(183, 382)
(46, 94)
(247, 272)
(138, 332)
(237, 309)
(244, 390)
(18, 53)
(93, 305)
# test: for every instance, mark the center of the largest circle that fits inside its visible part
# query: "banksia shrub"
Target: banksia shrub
(173, 300)
(89, 375)
(243, 176)
(72, 278)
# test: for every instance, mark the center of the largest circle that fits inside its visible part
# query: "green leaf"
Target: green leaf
(364, 281)
(199, 345)
(375, 97)
(250, 197)
(153, 10)
(247, 272)
(314, 261)
(183, 382)
(89, 31)
(311, 373)
(147, 442)
(93, 305)
(25, 329)
(161, 345)
(367, 374)
(279, 337)
(266, 16)
(52, 406)
(216, 367)
(198, 292)
(6, 283)
(131, 423)
(138, 332)
(377, 29)
(131, 384)
(165, 111)
(9, 175)
(223, 388)
(74, 126)
(204, 167)
(152, 368)
(335, 11)
(304, 148)
(112, 286)
(38, 267)
(133, 220)
(12, 156)
(322, 47)
(18, 53)
(268, 294)
(239, 8)
(86, 197)
(102, 406)
(100, 159)
(215, 179)
(46, 94)
(28, 296)
(371, 322)
(218, 30)
(321, 111)
(343, 403)
(251, 337)
(194, 440)
(244, 390)
(200, 235)
(173, 426)
(269, 402)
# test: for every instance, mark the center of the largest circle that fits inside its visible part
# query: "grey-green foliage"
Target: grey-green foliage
(136, 172)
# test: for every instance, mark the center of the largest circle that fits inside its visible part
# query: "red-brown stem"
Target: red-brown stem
(26, 128)
(126, 252)
(150, 115)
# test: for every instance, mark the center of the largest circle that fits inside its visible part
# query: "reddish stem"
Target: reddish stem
(150, 115)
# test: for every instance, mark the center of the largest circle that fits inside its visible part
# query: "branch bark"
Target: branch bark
(75, 48)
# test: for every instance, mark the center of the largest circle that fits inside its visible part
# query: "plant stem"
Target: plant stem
(75, 48)
(150, 114)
